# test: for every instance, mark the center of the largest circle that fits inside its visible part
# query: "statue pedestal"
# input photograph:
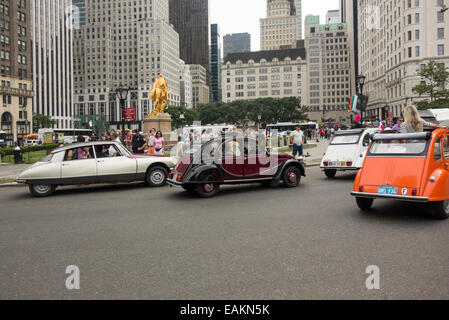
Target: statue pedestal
(161, 122)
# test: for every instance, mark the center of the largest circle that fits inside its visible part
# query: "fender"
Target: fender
(437, 191)
(287, 163)
(195, 173)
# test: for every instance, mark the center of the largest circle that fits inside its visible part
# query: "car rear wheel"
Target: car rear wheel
(330, 173)
(207, 190)
(364, 204)
(156, 177)
(441, 209)
(292, 177)
(42, 190)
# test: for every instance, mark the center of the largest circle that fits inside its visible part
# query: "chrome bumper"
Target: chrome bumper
(393, 197)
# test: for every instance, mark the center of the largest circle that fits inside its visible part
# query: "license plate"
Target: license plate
(387, 190)
(335, 164)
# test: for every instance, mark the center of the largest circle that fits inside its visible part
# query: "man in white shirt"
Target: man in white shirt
(297, 138)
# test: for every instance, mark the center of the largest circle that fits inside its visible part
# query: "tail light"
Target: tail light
(361, 189)
(170, 175)
(349, 164)
(414, 192)
(325, 163)
(178, 179)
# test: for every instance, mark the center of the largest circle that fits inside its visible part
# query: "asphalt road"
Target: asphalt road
(250, 242)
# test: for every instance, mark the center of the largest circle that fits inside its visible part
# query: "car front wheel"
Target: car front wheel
(156, 177)
(364, 204)
(208, 190)
(292, 177)
(441, 209)
(42, 190)
(330, 173)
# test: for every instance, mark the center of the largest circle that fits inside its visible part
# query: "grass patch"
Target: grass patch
(7, 180)
(290, 150)
(28, 157)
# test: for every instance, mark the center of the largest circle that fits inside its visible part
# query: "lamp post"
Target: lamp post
(361, 82)
(122, 94)
(182, 117)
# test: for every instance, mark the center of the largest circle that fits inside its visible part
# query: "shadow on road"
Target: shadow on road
(398, 211)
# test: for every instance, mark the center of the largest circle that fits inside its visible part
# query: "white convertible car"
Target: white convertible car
(347, 151)
(94, 162)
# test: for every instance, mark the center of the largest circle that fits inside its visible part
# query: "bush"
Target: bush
(46, 147)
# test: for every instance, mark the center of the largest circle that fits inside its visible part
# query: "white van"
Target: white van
(347, 150)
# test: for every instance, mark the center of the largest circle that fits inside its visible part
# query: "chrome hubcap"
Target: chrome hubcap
(42, 188)
(157, 177)
(292, 177)
(208, 187)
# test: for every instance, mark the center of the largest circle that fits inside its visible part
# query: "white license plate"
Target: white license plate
(335, 164)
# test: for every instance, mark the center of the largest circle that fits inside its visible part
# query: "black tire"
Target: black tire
(156, 177)
(364, 204)
(42, 190)
(207, 190)
(291, 177)
(441, 209)
(330, 173)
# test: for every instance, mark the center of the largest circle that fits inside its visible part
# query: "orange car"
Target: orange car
(409, 167)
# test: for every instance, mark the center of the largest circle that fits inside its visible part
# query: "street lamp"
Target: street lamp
(361, 81)
(386, 111)
(122, 94)
(182, 117)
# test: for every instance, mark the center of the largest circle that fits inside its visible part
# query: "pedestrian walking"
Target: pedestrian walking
(297, 139)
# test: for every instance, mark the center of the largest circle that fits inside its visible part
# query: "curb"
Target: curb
(315, 164)
(12, 185)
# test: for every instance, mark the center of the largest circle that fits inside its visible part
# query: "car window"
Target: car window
(79, 154)
(346, 139)
(398, 147)
(102, 151)
(251, 147)
(58, 157)
(366, 140)
(232, 148)
(437, 156)
(113, 151)
(446, 147)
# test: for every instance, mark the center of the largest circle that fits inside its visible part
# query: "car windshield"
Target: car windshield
(346, 139)
(46, 158)
(398, 147)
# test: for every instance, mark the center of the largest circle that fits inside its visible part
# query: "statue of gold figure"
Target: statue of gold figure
(159, 95)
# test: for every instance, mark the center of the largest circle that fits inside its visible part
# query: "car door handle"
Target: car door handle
(65, 164)
(100, 161)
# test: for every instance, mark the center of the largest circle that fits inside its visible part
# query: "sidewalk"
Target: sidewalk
(11, 171)
(316, 154)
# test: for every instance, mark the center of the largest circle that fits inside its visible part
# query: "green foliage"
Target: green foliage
(241, 112)
(434, 79)
(190, 115)
(41, 121)
(45, 147)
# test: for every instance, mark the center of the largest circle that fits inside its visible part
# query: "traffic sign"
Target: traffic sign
(130, 114)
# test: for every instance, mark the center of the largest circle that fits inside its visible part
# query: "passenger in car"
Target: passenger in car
(414, 123)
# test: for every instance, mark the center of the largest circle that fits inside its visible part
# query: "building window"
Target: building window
(441, 49)
(440, 33)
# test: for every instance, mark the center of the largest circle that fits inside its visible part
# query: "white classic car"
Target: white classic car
(94, 162)
(347, 150)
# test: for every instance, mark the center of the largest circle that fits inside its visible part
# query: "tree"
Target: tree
(190, 115)
(41, 121)
(434, 79)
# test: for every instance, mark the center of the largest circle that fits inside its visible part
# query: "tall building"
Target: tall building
(124, 43)
(280, 27)
(185, 85)
(329, 68)
(200, 89)
(263, 74)
(298, 9)
(215, 63)
(236, 43)
(397, 39)
(51, 38)
(333, 16)
(16, 90)
(191, 20)
(79, 13)
(348, 15)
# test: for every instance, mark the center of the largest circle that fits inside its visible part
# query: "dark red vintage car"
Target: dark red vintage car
(233, 160)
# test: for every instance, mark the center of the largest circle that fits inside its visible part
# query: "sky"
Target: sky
(235, 16)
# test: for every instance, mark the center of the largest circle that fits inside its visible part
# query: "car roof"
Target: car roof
(83, 144)
(349, 132)
(403, 136)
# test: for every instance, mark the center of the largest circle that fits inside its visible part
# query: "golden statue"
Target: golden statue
(159, 95)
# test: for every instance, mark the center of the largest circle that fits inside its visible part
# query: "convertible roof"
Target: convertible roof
(84, 144)
(403, 136)
(349, 132)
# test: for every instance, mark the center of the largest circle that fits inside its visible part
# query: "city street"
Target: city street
(250, 242)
